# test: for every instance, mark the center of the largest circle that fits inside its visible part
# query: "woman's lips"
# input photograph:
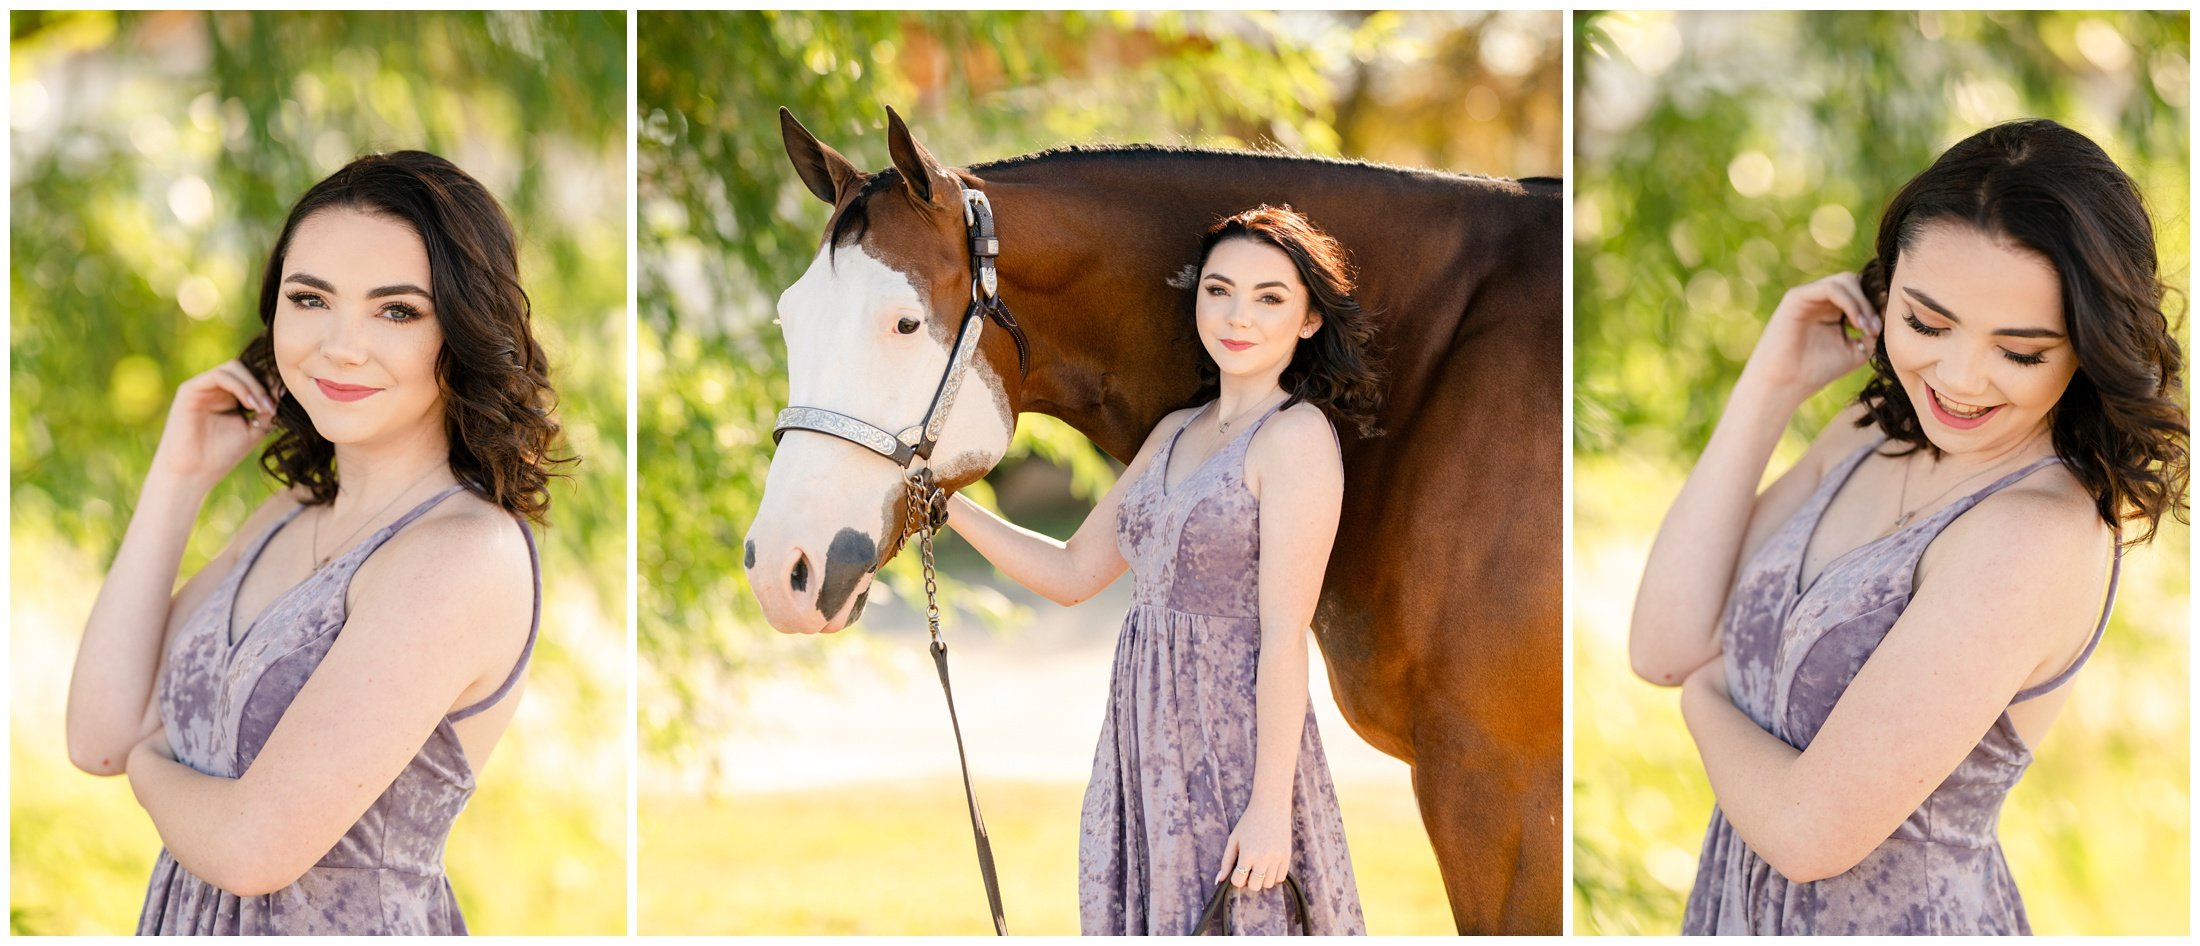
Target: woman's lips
(1957, 421)
(345, 392)
(1235, 345)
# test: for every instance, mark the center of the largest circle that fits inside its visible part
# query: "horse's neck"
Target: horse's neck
(1095, 250)
(1087, 272)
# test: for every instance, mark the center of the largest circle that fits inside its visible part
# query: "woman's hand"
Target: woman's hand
(1806, 345)
(216, 418)
(1259, 851)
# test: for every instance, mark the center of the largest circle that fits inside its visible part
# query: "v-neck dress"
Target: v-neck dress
(1790, 652)
(221, 700)
(1174, 768)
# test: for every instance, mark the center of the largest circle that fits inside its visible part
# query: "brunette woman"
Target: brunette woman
(304, 718)
(1209, 768)
(1869, 649)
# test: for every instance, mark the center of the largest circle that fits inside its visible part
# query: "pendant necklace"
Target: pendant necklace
(321, 561)
(1904, 519)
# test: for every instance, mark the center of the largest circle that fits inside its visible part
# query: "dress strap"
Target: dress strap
(526, 651)
(2115, 573)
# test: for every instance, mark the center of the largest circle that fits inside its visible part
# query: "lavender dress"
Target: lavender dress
(1790, 651)
(220, 702)
(1174, 769)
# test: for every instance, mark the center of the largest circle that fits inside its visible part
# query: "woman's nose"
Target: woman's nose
(1962, 375)
(344, 343)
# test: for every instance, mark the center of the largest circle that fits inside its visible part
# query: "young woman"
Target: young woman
(306, 716)
(1209, 767)
(1869, 649)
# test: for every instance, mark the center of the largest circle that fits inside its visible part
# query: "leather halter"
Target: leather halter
(917, 441)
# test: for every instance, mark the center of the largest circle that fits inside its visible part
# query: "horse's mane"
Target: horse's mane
(853, 220)
(1152, 152)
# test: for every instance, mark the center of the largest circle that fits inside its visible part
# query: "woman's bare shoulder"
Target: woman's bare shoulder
(467, 557)
(1297, 442)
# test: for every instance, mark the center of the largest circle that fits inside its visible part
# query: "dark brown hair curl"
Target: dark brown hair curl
(2120, 427)
(497, 399)
(1338, 369)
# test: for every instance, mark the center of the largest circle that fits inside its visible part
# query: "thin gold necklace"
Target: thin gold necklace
(321, 561)
(1223, 427)
(1903, 498)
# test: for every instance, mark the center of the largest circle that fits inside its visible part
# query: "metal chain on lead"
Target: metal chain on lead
(926, 501)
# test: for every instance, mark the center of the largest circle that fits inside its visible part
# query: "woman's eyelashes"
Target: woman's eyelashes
(1910, 316)
(2022, 358)
(1266, 298)
(394, 312)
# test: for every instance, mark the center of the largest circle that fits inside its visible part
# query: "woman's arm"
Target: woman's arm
(111, 686)
(1692, 562)
(1988, 615)
(1294, 467)
(440, 614)
(1069, 572)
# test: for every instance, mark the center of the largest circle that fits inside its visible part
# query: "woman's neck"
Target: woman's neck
(1240, 393)
(370, 475)
(2040, 444)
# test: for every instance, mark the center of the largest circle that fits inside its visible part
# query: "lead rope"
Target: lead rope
(927, 507)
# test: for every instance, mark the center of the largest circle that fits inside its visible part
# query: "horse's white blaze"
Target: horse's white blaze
(844, 355)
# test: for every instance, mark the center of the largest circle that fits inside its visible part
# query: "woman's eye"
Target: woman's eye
(907, 326)
(1272, 299)
(1214, 290)
(307, 300)
(400, 312)
(2024, 359)
(1922, 328)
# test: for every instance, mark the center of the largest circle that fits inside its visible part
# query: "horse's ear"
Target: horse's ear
(827, 174)
(917, 167)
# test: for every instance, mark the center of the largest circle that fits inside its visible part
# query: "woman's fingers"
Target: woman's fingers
(1230, 863)
(256, 396)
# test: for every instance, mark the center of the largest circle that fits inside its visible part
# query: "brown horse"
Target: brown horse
(1440, 611)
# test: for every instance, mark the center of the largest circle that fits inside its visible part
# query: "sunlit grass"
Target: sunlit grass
(2097, 832)
(897, 859)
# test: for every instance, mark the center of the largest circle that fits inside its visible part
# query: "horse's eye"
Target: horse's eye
(907, 326)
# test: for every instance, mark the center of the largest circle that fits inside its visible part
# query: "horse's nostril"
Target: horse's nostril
(800, 580)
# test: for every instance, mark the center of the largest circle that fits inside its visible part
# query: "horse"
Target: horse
(1440, 613)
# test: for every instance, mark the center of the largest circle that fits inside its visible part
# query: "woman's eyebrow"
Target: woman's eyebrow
(1225, 280)
(1934, 304)
(400, 289)
(310, 280)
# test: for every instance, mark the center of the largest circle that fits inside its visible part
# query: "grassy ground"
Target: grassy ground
(2097, 833)
(897, 859)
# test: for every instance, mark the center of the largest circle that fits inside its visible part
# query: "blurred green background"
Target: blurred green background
(725, 226)
(154, 157)
(1722, 158)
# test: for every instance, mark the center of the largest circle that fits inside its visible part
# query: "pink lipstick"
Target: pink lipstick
(1957, 421)
(345, 392)
(1234, 345)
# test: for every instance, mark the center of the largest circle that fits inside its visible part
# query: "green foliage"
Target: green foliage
(1722, 159)
(725, 224)
(154, 157)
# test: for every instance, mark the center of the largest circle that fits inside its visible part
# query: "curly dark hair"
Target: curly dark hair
(2120, 427)
(1338, 369)
(497, 399)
